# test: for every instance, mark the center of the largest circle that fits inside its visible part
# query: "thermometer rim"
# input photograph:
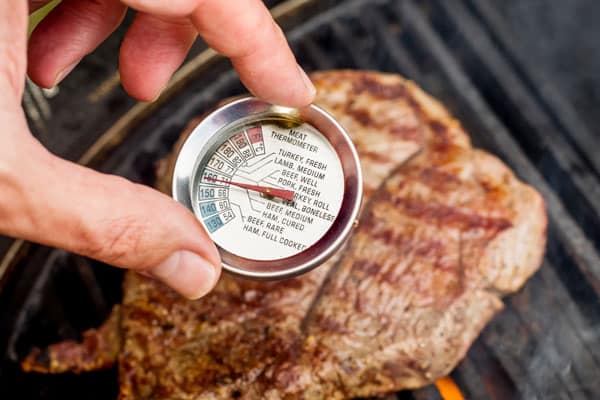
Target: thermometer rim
(245, 110)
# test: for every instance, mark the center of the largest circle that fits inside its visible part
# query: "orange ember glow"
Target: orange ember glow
(448, 389)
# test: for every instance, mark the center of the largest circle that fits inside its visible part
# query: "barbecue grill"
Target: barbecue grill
(521, 93)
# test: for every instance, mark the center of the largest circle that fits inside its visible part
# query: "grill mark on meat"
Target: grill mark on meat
(329, 324)
(448, 216)
(393, 276)
(412, 258)
(398, 130)
(462, 275)
(361, 115)
(369, 267)
(405, 132)
(439, 180)
(376, 157)
(393, 237)
(398, 370)
(142, 314)
(291, 284)
(440, 129)
(433, 250)
(415, 105)
(442, 143)
(377, 89)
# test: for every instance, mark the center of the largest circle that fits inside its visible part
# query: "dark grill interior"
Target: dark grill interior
(545, 344)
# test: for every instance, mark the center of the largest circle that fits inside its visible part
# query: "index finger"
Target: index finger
(244, 31)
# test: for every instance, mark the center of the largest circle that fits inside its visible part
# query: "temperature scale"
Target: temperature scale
(277, 189)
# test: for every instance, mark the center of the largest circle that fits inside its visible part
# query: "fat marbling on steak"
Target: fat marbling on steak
(445, 231)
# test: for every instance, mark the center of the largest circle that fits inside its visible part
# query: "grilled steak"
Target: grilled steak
(445, 232)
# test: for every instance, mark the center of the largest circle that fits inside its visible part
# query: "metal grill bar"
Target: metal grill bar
(352, 47)
(496, 383)
(556, 105)
(85, 276)
(399, 54)
(481, 375)
(543, 350)
(587, 333)
(507, 344)
(314, 53)
(552, 336)
(21, 320)
(427, 393)
(573, 280)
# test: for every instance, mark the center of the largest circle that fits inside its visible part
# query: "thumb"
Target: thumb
(115, 221)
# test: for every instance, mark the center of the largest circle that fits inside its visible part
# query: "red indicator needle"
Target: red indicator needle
(269, 191)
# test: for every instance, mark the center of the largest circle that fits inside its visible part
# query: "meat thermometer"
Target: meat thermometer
(277, 189)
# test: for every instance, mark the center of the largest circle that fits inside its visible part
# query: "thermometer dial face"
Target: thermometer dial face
(278, 189)
(266, 191)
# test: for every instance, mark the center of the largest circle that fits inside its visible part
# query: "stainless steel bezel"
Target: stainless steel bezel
(245, 110)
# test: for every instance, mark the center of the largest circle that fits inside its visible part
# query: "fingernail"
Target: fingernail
(187, 273)
(158, 94)
(64, 72)
(307, 82)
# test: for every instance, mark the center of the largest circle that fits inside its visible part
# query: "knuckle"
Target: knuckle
(11, 70)
(173, 8)
(166, 22)
(94, 11)
(13, 45)
(264, 29)
(12, 202)
(116, 242)
(251, 35)
(185, 7)
(124, 239)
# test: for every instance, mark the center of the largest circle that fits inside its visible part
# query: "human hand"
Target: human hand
(57, 203)
(159, 38)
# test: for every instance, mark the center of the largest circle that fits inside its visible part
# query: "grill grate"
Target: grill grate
(545, 344)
